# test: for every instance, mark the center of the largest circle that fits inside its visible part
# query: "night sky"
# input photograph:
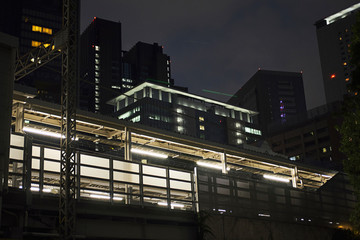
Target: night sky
(218, 45)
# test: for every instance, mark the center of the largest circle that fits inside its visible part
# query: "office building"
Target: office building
(277, 96)
(100, 65)
(146, 62)
(34, 22)
(334, 39)
(177, 111)
(314, 141)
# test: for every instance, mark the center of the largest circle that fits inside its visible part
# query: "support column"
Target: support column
(19, 124)
(223, 162)
(127, 149)
(294, 177)
(8, 45)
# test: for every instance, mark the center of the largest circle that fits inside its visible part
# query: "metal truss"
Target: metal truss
(40, 56)
(68, 120)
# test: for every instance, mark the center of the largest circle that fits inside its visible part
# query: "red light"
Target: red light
(332, 76)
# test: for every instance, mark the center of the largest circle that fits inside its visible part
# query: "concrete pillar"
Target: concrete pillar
(8, 46)
(223, 162)
(294, 177)
(127, 148)
(19, 124)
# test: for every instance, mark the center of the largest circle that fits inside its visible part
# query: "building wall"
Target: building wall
(267, 92)
(100, 65)
(315, 142)
(34, 22)
(334, 41)
(188, 116)
(147, 62)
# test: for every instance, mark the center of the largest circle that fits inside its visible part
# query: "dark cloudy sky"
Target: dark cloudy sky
(219, 44)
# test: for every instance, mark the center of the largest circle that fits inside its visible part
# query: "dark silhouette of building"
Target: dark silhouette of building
(277, 96)
(313, 141)
(100, 65)
(146, 62)
(34, 22)
(334, 39)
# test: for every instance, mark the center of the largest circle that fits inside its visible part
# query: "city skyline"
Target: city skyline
(208, 41)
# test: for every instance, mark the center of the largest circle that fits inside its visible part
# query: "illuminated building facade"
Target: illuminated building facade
(34, 22)
(100, 65)
(334, 38)
(277, 96)
(177, 111)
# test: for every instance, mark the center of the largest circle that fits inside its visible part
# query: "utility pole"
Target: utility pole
(68, 119)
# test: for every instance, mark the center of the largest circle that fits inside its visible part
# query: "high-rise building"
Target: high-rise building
(34, 22)
(192, 115)
(146, 62)
(277, 96)
(334, 40)
(100, 65)
(313, 141)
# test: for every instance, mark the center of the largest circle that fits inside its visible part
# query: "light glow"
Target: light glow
(149, 153)
(172, 204)
(42, 132)
(210, 165)
(276, 178)
(342, 14)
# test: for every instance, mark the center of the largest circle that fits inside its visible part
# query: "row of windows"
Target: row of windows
(41, 29)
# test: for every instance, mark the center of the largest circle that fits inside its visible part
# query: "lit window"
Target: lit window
(96, 87)
(97, 93)
(96, 55)
(35, 43)
(97, 80)
(324, 150)
(237, 125)
(97, 74)
(97, 67)
(340, 38)
(347, 79)
(201, 119)
(47, 30)
(97, 61)
(97, 48)
(36, 28)
(202, 127)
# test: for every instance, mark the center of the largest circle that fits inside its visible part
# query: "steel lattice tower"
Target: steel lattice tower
(68, 119)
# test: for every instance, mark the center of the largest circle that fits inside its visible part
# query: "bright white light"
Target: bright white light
(341, 14)
(221, 210)
(99, 196)
(264, 215)
(211, 165)
(42, 132)
(35, 189)
(276, 178)
(172, 205)
(117, 198)
(153, 154)
(46, 190)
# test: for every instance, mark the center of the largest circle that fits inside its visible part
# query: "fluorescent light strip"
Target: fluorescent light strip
(153, 154)
(42, 132)
(172, 205)
(276, 178)
(211, 165)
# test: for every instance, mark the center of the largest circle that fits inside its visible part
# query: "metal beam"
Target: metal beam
(68, 120)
